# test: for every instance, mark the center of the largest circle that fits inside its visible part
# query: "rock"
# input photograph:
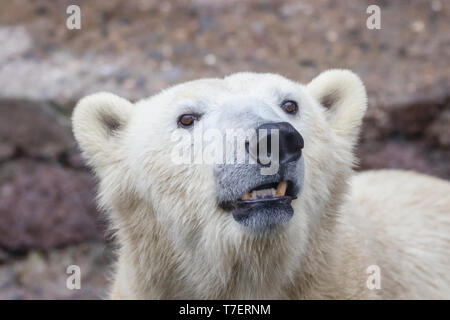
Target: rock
(411, 117)
(4, 256)
(6, 151)
(44, 205)
(46, 195)
(34, 129)
(439, 129)
(404, 154)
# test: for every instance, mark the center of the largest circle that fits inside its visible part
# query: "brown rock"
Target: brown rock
(43, 205)
(404, 154)
(439, 130)
(34, 129)
(6, 151)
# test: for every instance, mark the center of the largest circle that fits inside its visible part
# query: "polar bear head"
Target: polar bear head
(215, 181)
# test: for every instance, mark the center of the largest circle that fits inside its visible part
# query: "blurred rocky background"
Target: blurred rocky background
(48, 216)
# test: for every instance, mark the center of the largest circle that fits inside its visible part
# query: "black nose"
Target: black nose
(290, 141)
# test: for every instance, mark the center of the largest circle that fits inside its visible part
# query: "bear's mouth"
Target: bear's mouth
(265, 207)
(270, 192)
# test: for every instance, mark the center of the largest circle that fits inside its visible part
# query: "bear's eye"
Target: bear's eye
(187, 120)
(289, 106)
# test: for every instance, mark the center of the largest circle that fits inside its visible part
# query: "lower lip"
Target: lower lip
(263, 214)
(243, 203)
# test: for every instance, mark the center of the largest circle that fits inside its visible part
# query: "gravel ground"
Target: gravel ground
(43, 275)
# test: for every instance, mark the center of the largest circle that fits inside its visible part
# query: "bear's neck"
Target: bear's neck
(150, 268)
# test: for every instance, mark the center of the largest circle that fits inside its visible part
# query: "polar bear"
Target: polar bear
(312, 229)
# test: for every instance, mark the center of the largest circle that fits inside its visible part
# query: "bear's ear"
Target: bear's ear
(342, 94)
(97, 122)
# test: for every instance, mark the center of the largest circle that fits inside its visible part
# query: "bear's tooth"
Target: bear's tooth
(254, 194)
(273, 192)
(281, 188)
(246, 196)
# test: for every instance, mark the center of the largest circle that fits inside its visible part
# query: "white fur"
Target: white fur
(175, 242)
